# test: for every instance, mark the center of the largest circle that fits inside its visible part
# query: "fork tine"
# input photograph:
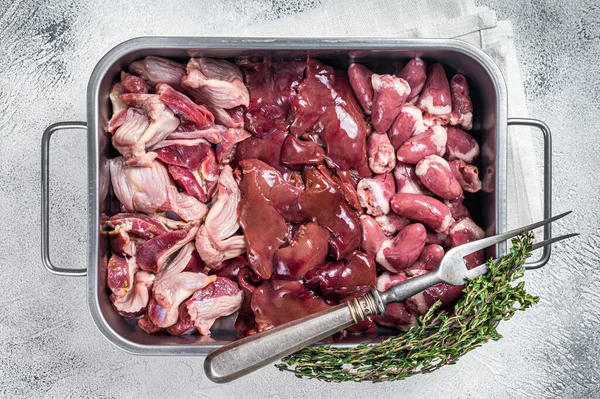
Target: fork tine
(552, 241)
(477, 271)
(474, 246)
(537, 245)
(482, 269)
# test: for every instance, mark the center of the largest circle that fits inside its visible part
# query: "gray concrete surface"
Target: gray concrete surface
(48, 344)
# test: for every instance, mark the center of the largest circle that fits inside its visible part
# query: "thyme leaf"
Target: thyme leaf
(440, 337)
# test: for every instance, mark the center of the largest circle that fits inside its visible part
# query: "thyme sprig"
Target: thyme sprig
(439, 338)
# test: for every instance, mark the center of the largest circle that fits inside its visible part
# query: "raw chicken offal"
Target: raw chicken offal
(266, 190)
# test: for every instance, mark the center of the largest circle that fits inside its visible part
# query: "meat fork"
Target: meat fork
(241, 357)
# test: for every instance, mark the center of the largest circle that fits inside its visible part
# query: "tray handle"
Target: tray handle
(45, 198)
(547, 183)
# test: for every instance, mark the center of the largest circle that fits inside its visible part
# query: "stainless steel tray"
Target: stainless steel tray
(488, 92)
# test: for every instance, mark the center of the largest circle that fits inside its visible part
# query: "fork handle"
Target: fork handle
(410, 287)
(243, 356)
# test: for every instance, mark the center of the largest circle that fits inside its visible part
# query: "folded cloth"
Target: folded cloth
(460, 19)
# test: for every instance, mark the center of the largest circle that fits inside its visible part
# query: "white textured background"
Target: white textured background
(49, 346)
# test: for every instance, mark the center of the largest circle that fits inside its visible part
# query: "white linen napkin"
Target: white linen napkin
(460, 19)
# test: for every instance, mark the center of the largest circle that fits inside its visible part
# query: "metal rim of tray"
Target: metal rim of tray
(267, 44)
